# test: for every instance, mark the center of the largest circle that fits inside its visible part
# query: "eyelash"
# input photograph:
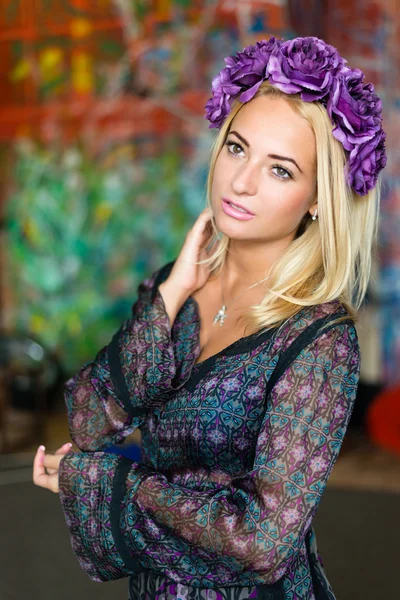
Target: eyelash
(228, 143)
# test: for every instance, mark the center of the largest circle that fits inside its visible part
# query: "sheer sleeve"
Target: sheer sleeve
(112, 395)
(247, 530)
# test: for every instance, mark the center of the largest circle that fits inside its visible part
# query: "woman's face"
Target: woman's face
(268, 166)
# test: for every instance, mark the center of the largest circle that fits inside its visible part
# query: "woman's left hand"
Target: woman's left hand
(51, 463)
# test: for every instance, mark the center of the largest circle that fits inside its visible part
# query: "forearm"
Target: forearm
(113, 395)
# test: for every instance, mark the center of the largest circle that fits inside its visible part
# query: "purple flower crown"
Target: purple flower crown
(316, 71)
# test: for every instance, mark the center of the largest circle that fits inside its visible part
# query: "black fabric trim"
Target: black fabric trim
(302, 341)
(307, 336)
(272, 591)
(113, 356)
(248, 343)
(319, 585)
(118, 379)
(245, 344)
(118, 493)
(160, 277)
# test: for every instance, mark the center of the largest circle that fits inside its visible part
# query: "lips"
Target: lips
(236, 204)
(235, 213)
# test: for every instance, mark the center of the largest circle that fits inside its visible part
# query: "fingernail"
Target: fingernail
(69, 444)
(42, 448)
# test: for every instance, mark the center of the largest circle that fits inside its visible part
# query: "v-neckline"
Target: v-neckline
(228, 349)
(225, 351)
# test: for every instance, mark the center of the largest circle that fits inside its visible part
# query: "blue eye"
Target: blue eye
(282, 173)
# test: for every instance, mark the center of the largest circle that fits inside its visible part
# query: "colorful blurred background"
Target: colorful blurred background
(103, 162)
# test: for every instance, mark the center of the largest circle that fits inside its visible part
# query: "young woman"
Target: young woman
(269, 277)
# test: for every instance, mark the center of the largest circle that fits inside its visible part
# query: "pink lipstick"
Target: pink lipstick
(237, 213)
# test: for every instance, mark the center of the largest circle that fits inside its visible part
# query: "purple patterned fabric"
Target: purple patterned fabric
(198, 511)
(148, 360)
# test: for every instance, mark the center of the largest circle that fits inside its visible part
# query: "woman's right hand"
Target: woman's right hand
(186, 277)
(185, 274)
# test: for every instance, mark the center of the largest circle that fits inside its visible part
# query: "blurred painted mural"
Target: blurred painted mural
(104, 151)
(104, 146)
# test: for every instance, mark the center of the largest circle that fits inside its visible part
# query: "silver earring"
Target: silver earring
(315, 214)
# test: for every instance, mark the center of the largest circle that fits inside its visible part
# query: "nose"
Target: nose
(245, 180)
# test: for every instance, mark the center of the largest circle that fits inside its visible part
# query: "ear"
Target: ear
(313, 208)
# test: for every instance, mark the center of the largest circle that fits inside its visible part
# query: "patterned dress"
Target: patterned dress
(221, 506)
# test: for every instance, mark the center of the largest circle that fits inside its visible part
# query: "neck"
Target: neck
(249, 262)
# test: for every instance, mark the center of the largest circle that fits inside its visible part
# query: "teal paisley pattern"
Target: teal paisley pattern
(222, 504)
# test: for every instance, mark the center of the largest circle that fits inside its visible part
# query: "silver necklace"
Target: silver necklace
(222, 313)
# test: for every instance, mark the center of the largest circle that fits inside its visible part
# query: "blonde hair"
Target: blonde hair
(327, 260)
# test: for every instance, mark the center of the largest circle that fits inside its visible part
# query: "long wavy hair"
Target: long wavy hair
(328, 259)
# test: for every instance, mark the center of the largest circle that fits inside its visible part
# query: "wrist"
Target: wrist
(173, 298)
(175, 294)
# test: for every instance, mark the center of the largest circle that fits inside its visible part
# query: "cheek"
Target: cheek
(220, 175)
(288, 203)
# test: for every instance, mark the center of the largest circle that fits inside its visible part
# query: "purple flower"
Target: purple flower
(250, 67)
(355, 108)
(243, 75)
(307, 65)
(316, 71)
(365, 163)
(219, 105)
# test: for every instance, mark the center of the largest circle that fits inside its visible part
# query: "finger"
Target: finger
(51, 461)
(206, 215)
(210, 229)
(40, 476)
(203, 218)
(209, 242)
(203, 230)
(206, 210)
(64, 448)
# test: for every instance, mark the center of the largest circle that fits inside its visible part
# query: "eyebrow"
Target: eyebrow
(275, 156)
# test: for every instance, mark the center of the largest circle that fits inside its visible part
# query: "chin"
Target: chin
(232, 228)
(233, 234)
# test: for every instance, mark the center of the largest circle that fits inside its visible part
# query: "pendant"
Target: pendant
(220, 316)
